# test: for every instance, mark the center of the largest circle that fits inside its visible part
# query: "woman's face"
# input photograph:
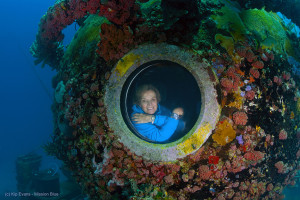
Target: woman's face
(149, 102)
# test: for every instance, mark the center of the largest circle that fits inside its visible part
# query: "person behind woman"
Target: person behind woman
(151, 119)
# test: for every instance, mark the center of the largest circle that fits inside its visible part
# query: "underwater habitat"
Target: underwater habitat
(168, 99)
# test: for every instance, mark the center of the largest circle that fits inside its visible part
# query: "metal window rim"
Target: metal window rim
(210, 108)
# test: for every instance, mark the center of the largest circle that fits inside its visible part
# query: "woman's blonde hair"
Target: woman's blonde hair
(143, 88)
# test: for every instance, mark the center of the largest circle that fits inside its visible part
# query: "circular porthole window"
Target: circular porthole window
(147, 86)
(173, 88)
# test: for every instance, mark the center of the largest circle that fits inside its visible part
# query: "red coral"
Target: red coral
(236, 165)
(250, 95)
(231, 72)
(92, 6)
(204, 172)
(232, 81)
(169, 179)
(241, 51)
(268, 138)
(282, 135)
(270, 187)
(119, 154)
(280, 167)
(243, 186)
(118, 12)
(115, 42)
(262, 187)
(277, 80)
(227, 83)
(108, 169)
(173, 168)
(191, 174)
(255, 73)
(236, 82)
(286, 75)
(98, 130)
(250, 56)
(64, 13)
(196, 156)
(158, 172)
(46, 46)
(240, 118)
(213, 160)
(258, 64)
(254, 155)
(94, 119)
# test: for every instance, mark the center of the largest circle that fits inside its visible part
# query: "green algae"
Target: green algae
(83, 46)
(229, 20)
(267, 28)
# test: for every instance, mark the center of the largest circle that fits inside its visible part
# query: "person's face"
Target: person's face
(149, 102)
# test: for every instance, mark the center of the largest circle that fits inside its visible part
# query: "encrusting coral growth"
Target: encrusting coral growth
(224, 133)
(254, 150)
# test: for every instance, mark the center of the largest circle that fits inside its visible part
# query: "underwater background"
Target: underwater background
(27, 93)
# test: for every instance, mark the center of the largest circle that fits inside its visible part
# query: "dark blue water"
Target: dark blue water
(25, 106)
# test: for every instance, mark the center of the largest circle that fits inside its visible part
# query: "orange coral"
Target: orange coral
(237, 101)
(224, 133)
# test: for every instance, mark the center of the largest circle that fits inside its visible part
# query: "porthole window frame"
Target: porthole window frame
(210, 108)
(138, 74)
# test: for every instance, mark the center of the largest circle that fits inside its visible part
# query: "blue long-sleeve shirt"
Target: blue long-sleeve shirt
(163, 127)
